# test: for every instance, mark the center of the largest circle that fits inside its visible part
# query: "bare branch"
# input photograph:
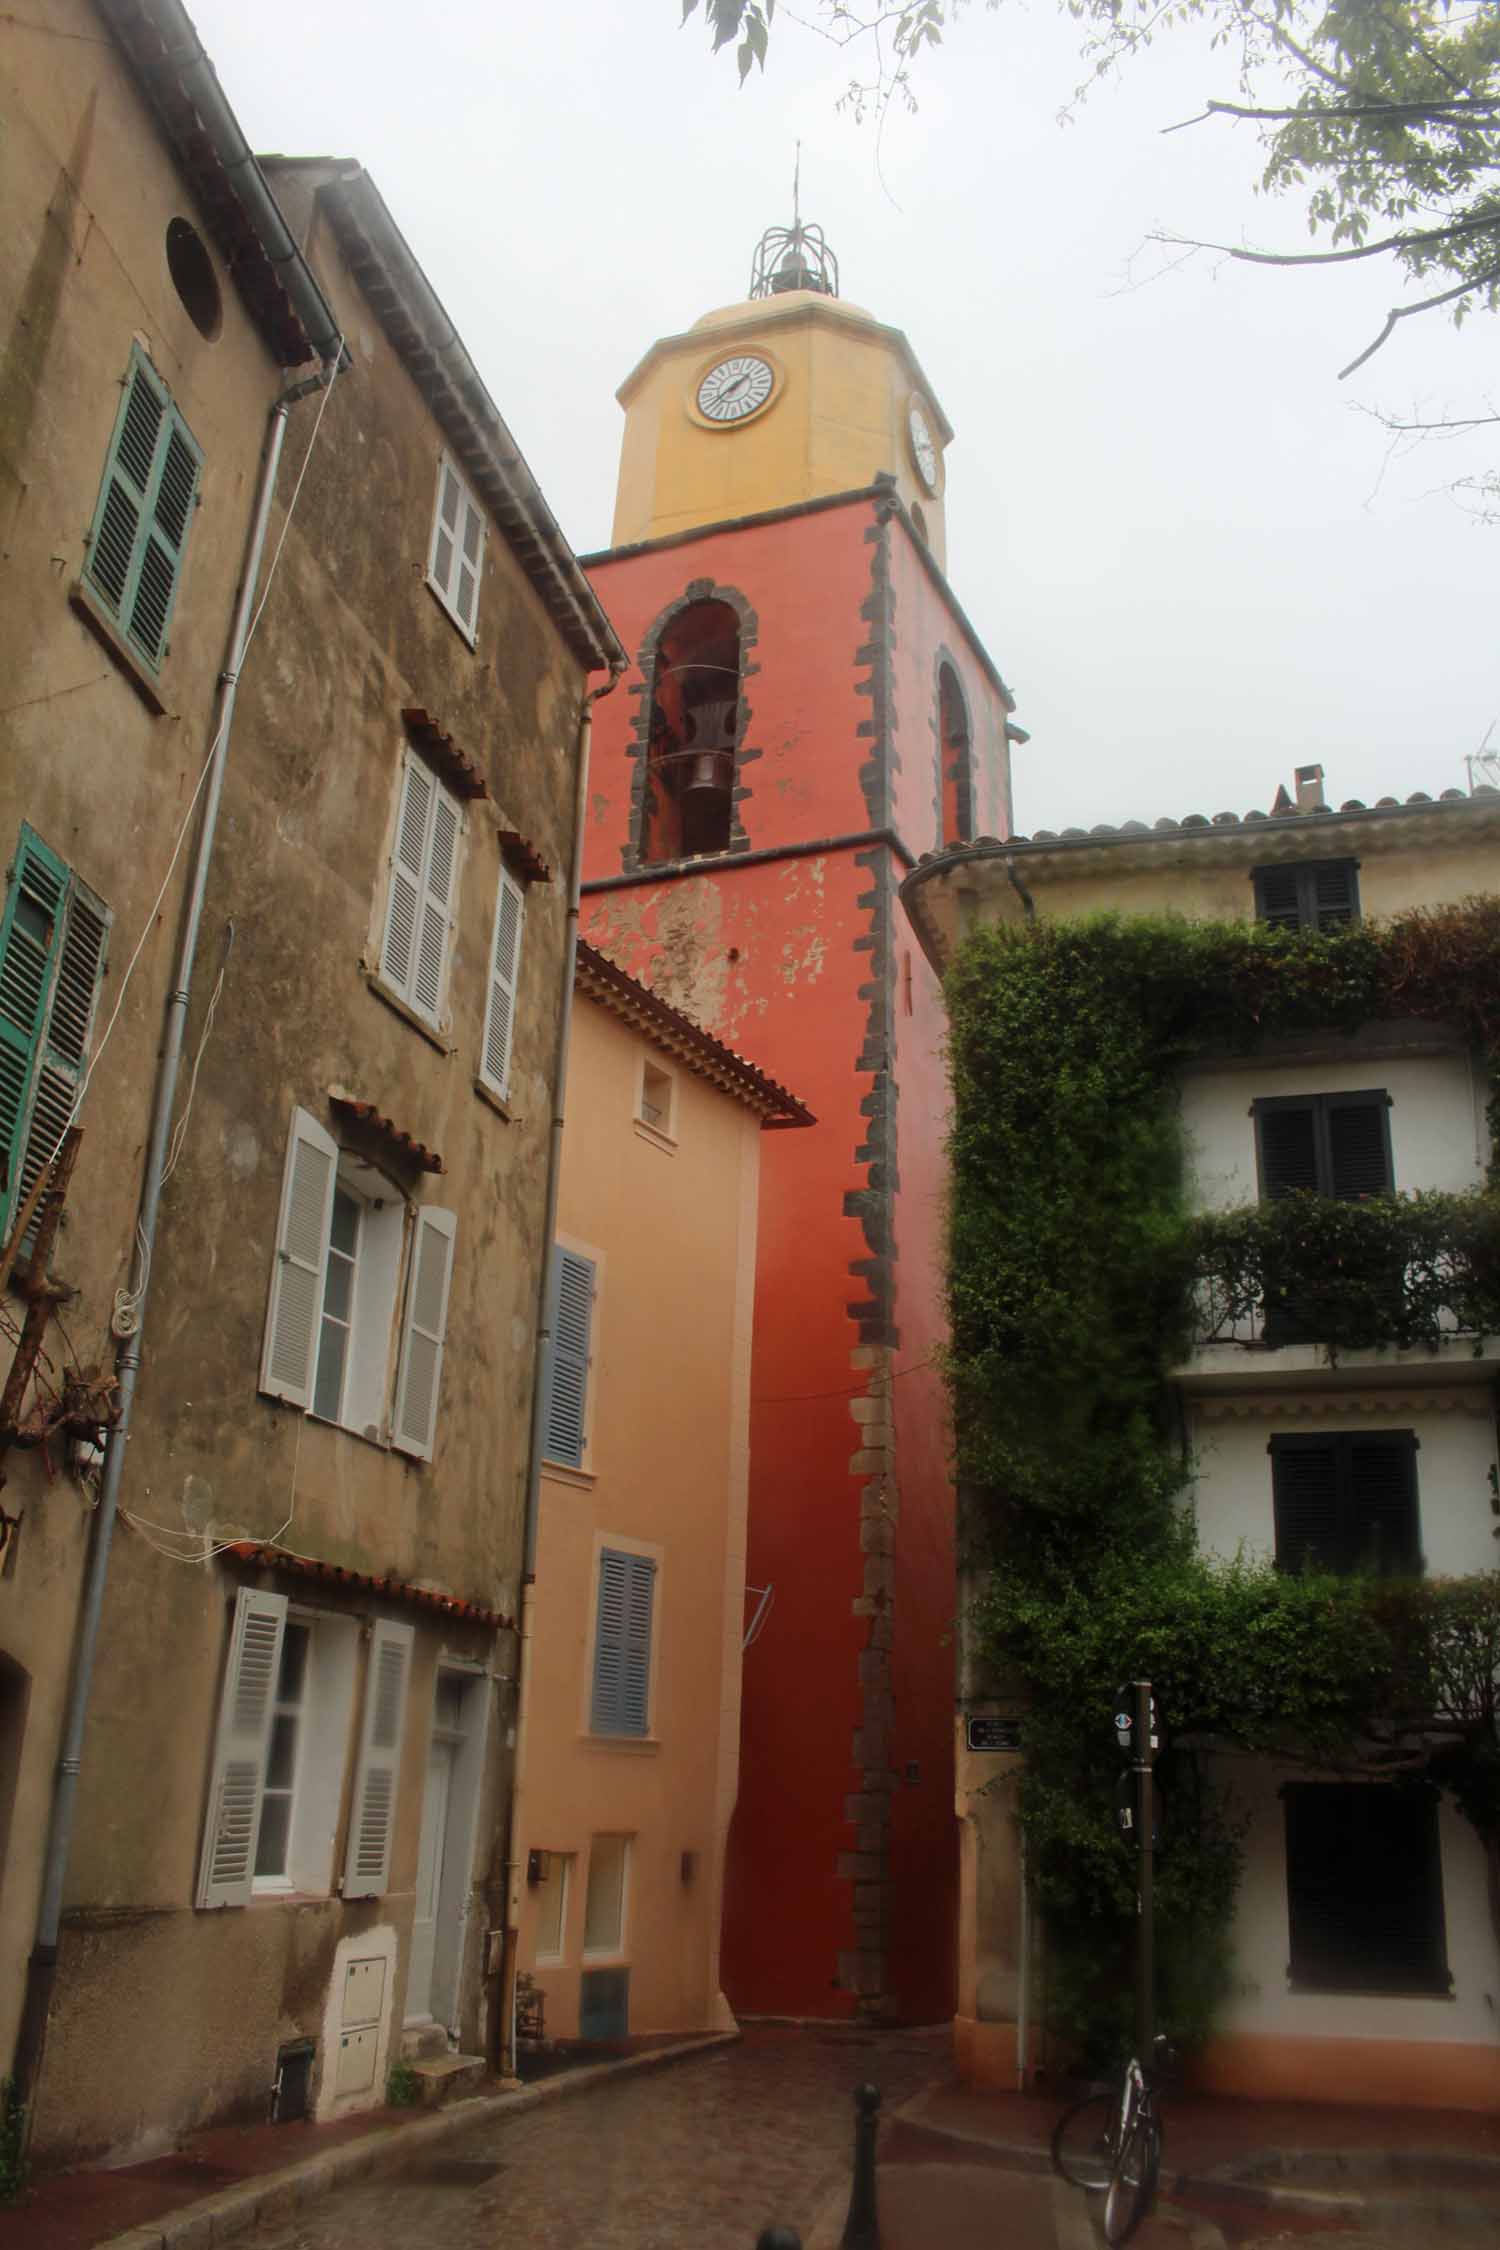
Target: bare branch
(1423, 304)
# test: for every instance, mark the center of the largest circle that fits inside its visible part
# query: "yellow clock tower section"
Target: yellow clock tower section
(847, 403)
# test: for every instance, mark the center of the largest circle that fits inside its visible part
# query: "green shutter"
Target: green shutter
(145, 507)
(52, 943)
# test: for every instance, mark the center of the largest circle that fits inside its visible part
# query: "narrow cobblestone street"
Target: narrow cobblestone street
(702, 2153)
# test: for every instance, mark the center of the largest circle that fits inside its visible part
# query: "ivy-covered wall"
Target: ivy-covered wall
(1075, 1273)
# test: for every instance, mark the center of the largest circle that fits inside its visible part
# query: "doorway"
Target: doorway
(450, 1803)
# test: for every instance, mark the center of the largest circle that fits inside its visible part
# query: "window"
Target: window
(568, 1357)
(505, 972)
(1347, 1502)
(1324, 1144)
(687, 803)
(52, 946)
(1317, 894)
(456, 559)
(139, 533)
(1365, 1888)
(281, 1751)
(658, 1099)
(552, 1906)
(620, 1700)
(955, 776)
(604, 1900)
(350, 1253)
(420, 900)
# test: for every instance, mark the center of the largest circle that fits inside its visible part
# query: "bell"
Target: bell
(706, 775)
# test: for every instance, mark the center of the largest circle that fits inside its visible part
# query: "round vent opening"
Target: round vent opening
(193, 277)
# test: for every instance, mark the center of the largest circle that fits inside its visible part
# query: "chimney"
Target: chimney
(1309, 789)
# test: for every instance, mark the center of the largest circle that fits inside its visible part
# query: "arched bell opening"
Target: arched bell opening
(695, 717)
(953, 760)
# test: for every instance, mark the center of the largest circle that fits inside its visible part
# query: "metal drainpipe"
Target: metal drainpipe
(503, 2026)
(41, 1968)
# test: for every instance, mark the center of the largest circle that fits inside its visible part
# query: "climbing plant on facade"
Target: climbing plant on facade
(1076, 1283)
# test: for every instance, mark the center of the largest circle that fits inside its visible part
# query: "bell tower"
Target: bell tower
(789, 396)
(807, 712)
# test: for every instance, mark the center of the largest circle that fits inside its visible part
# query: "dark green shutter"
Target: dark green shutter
(145, 507)
(1277, 899)
(52, 944)
(1334, 886)
(567, 1373)
(1359, 1149)
(1320, 894)
(1287, 1133)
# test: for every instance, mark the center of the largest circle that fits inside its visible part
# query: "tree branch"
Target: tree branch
(1423, 304)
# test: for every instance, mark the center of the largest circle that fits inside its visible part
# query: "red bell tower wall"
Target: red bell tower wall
(789, 945)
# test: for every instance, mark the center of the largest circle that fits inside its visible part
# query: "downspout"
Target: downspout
(502, 2040)
(41, 1968)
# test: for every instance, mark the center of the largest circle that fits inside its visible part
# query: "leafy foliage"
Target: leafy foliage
(1383, 114)
(1073, 1263)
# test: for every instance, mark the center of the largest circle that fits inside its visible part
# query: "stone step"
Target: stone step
(445, 2078)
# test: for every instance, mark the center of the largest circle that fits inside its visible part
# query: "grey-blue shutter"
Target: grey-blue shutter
(620, 1703)
(568, 1356)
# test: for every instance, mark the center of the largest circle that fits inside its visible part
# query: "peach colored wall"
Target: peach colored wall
(672, 1229)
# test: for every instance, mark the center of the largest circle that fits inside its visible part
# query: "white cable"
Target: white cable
(175, 1150)
(202, 1552)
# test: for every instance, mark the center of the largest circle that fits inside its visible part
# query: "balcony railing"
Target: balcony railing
(1386, 1272)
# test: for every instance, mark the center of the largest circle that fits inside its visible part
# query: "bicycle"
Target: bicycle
(1110, 2143)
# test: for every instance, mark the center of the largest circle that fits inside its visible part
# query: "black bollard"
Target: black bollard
(862, 2227)
(778, 2238)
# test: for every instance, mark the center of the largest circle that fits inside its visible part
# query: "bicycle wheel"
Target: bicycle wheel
(1132, 2183)
(1083, 2141)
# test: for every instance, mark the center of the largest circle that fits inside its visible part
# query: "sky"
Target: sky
(1193, 553)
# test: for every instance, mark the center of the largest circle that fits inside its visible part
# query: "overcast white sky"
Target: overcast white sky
(1190, 555)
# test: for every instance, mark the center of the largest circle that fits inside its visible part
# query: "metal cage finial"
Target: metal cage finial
(794, 257)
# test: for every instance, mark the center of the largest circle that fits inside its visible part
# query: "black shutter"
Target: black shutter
(1335, 893)
(1364, 1888)
(1359, 1149)
(1382, 1503)
(1288, 1148)
(1305, 1495)
(1276, 897)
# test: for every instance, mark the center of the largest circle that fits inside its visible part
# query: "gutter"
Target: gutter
(502, 2034)
(158, 36)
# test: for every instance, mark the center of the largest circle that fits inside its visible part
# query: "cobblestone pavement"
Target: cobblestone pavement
(702, 2153)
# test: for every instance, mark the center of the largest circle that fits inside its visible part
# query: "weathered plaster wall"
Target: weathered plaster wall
(88, 192)
(349, 637)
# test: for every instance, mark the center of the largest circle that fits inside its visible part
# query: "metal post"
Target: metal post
(862, 2228)
(1145, 2010)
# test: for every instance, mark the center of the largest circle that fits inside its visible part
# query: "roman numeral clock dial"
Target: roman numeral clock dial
(735, 389)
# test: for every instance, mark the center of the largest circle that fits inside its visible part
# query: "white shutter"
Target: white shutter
(422, 1332)
(438, 875)
(399, 946)
(228, 1860)
(505, 969)
(301, 1255)
(372, 1815)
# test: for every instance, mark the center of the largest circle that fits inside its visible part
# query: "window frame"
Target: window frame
(1313, 1972)
(469, 510)
(1322, 1106)
(1305, 874)
(664, 1133)
(1345, 1447)
(559, 1864)
(116, 555)
(619, 1949)
(398, 1335)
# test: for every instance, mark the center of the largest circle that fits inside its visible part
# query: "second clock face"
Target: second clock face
(923, 447)
(735, 389)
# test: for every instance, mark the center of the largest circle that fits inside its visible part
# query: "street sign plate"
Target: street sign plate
(1124, 1721)
(994, 1734)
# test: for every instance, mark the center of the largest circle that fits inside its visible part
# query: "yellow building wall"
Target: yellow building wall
(670, 1221)
(837, 419)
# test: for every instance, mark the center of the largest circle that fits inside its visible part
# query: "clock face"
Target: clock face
(923, 447)
(735, 389)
